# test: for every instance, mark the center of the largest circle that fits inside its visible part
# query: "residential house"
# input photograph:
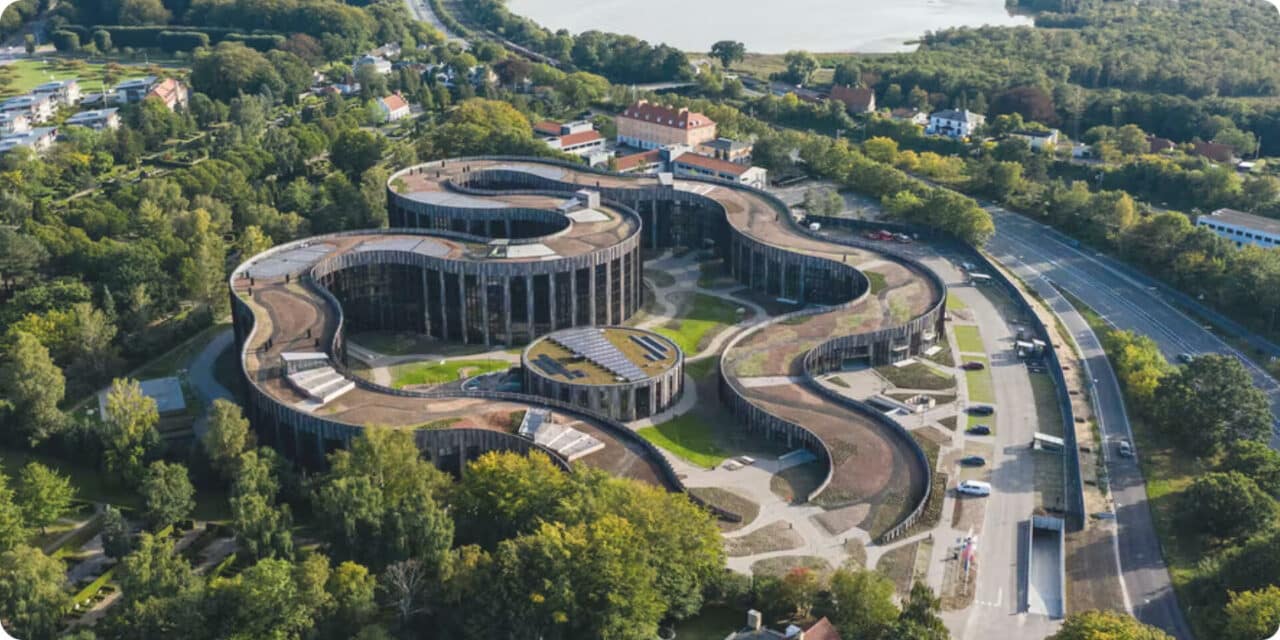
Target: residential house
(914, 116)
(389, 50)
(727, 149)
(14, 122)
(1242, 228)
(578, 137)
(855, 99)
(173, 93)
(393, 107)
(65, 92)
(37, 140)
(37, 108)
(755, 630)
(134, 89)
(1039, 140)
(1160, 145)
(692, 164)
(1216, 151)
(643, 162)
(98, 119)
(648, 126)
(954, 123)
(379, 63)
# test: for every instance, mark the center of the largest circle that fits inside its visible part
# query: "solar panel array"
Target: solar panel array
(654, 351)
(591, 344)
(553, 368)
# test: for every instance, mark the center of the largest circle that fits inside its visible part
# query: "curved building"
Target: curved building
(626, 374)
(503, 251)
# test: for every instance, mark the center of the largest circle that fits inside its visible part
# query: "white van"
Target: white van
(974, 488)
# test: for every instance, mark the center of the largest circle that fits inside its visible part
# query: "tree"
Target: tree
(1106, 625)
(728, 52)
(32, 598)
(1227, 506)
(128, 429)
(355, 150)
(849, 74)
(800, 66)
(168, 493)
(21, 256)
(153, 570)
(43, 494)
(117, 538)
(102, 40)
(406, 583)
(1132, 140)
(919, 619)
(29, 43)
(228, 433)
(1257, 461)
(863, 603)
(352, 589)
(1212, 401)
(581, 88)
(261, 526)
(32, 387)
(203, 271)
(139, 12)
(798, 590)
(881, 149)
(231, 69)
(253, 241)
(1253, 614)
(272, 599)
(13, 526)
(479, 126)
(378, 501)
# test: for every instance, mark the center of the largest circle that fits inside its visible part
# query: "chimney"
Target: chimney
(754, 620)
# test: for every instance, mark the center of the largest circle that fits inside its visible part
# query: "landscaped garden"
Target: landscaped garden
(687, 437)
(706, 317)
(439, 372)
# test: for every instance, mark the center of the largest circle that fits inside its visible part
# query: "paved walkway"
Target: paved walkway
(201, 376)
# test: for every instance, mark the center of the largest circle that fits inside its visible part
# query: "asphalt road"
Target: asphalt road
(1043, 261)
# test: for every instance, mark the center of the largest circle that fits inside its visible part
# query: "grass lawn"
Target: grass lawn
(395, 344)
(1048, 411)
(705, 318)
(916, 376)
(878, 282)
(688, 437)
(954, 303)
(713, 622)
(972, 421)
(968, 338)
(980, 386)
(179, 357)
(416, 373)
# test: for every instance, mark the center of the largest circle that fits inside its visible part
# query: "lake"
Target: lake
(767, 26)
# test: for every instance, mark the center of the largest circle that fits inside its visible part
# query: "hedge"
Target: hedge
(154, 36)
(263, 43)
(173, 41)
(65, 41)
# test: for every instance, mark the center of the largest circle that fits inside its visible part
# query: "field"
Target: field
(436, 372)
(916, 376)
(979, 382)
(969, 339)
(687, 437)
(707, 316)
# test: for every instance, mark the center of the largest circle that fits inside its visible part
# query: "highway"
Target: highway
(1043, 260)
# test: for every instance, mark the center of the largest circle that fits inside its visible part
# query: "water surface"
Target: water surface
(770, 26)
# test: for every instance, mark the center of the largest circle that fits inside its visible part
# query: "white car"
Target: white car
(1126, 449)
(974, 488)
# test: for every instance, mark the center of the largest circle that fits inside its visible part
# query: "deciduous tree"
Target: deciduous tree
(128, 430)
(32, 598)
(43, 494)
(168, 494)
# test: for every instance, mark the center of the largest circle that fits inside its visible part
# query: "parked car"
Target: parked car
(1126, 449)
(978, 430)
(903, 238)
(974, 488)
(981, 410)
(1185, 358)
(973, 461)
(973, 366)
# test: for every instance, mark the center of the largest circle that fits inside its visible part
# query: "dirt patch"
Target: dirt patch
(775, 536)
(958, 586)
(838, 521)
(898, 564)
(857, 554)
(949, 422)
(968, 513)
(730, 501)
(1092, 578)
(936, 436)
(783, 565)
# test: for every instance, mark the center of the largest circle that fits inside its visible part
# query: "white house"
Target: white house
(1242, 228)
(954, 123)
(393, 107)
(36, 139)
(134, 89)
(66, 92)
(38, 108)
(692, 164)
(379, 63)
(14, 122)
(97, 119)
(1039, 140)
